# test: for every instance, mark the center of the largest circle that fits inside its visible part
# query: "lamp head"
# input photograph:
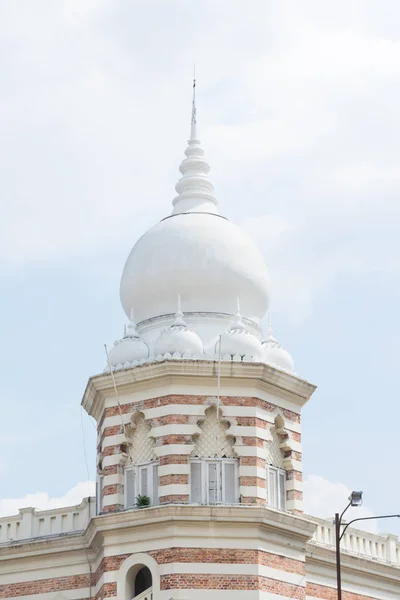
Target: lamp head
(356, 498)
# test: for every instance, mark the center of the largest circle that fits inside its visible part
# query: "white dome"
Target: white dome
(131, 349)
(203, 257)
(276, 355)
(178, 339)
(239, 342)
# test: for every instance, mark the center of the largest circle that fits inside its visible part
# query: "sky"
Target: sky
(297, 109)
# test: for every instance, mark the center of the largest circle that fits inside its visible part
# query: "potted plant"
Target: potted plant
(142, 501)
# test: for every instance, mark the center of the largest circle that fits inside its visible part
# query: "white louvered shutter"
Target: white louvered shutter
(282, 490)
(130, 499)
(155, 484)
(195, 482)
(229, 482)
(213, 482)
(272, 488)
(144, 480)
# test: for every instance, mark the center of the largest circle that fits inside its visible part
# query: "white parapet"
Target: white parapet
(382, 548)
(30, 523)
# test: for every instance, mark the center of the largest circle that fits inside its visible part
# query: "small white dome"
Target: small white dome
(178, 339)
(239, 342)
(276, 355)
(131, 349)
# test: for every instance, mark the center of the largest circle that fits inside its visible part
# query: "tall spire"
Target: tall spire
(195, 190)
(193, 132)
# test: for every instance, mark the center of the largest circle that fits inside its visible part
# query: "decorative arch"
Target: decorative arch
(279, 450)
(214, 440)
(140, 444)
(128, 571)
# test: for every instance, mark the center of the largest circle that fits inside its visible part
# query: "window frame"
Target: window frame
(205, 480)
(152, 493)
(279, 500)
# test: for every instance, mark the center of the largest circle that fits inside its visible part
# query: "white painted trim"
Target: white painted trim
(250, 451)
(113, 440)
(114, 479)
(199, 410)
(253, 491)
(112, 460)
(175, 429)
(297, 465)
(252, 471)
(137, 559)
(172, 449)
(111, 499)
(173, 470)
(294, 484)
(249, 431)
(294, 504)
(173, 489)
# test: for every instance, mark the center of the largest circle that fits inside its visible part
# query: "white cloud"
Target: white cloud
(323, 498)
(42, 500)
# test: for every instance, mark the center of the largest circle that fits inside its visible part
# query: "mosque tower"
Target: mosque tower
(199, 483)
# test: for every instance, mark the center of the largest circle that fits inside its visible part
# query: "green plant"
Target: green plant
(142, 501)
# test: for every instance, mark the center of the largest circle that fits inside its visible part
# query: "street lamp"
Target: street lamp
(355, 499)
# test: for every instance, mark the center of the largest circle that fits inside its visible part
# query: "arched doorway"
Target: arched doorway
(143, 581)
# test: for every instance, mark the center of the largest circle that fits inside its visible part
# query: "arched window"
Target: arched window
(213, 464)
(143, 583)
(138, 578)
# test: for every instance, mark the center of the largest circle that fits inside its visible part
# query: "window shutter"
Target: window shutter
(213, 482)
(130, 499)
(155, 484)
(272, 488)
(144, 480)
(195, 482)
(282, 490)
(229, 479)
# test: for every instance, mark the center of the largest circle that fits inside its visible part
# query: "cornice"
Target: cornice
(287, 524)
(352, 563)
(192, 372)
(90, 540)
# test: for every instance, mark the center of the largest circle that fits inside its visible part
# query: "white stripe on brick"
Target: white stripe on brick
(173, 489)
(249, 431)
(169, 449)
(174, 470)
(175, 429)
(253, 491)
(252, 471)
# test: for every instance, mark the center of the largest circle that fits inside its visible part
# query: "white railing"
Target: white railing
(146, 595)
(383, 548)
(31, 523)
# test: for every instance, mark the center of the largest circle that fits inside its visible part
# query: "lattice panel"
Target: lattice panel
(142, 448)
(274, 454)
(213, 442)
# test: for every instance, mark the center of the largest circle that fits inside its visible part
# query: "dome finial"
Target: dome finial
(238, 324)
(179, 321)
(195, 190)
(274, 353)
(130, 330)
(193, 132)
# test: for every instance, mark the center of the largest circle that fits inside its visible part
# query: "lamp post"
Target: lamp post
(355, 499)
